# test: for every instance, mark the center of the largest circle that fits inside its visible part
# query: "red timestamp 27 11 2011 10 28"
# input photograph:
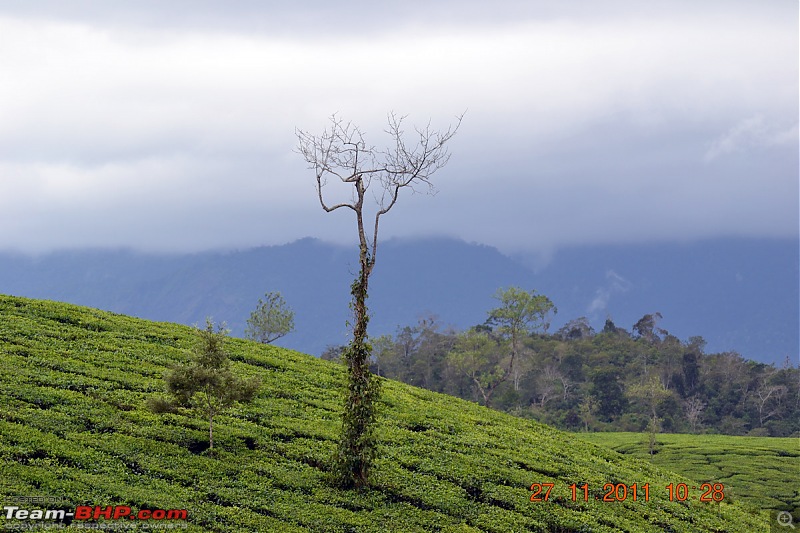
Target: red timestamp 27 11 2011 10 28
(620, 492)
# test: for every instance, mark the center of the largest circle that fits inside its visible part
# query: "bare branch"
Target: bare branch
(408, 168)
(340, 152)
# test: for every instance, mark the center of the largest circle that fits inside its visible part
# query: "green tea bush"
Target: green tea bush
(74, 422)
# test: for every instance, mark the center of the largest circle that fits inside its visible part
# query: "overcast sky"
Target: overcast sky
(170, 126)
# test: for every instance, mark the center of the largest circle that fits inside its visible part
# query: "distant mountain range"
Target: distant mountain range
(739, 294)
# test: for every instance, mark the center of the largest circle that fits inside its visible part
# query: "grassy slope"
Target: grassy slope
(761, 470)
(73, 382)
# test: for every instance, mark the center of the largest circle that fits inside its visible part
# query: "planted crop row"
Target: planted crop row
(73, 423)
(761, 471)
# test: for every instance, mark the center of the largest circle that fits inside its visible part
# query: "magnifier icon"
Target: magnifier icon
(785, 519)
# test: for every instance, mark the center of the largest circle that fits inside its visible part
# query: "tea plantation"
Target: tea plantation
(763, 471)
(73, 425)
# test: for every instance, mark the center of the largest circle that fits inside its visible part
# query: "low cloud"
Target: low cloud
(164, 125)
(749, 133)
(615, 284)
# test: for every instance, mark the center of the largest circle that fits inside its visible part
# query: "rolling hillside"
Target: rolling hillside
(74, 428)
(760, 470)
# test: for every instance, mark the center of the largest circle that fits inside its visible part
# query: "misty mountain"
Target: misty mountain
(739, 294)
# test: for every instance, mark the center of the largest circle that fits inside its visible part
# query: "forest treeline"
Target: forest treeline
(577, 378)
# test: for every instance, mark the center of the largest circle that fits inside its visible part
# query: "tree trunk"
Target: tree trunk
(357, 447)
(210, 432)
(487, 398)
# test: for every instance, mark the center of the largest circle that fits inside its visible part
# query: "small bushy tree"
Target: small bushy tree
(271, 320)
(586, 410)
(650, 394)
(207, 385)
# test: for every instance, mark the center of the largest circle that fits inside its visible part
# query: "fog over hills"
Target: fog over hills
(739, 294)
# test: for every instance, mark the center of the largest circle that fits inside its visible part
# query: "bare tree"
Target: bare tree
(766, 408)
(566, 384)
(523, 367)
(547, 383)
(340, 153)
(694, 407)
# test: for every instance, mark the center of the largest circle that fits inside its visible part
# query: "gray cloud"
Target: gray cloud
(615, 284)
(749, 133)
(163, 126)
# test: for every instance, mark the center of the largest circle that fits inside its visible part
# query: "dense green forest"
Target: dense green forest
(616, 379)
